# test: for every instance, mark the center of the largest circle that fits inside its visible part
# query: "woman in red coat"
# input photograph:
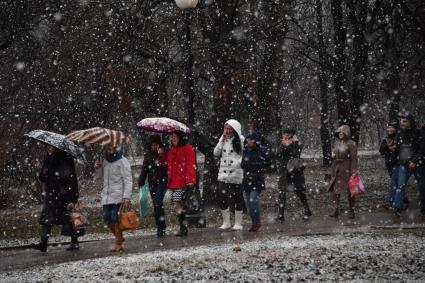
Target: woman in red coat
(181, 174)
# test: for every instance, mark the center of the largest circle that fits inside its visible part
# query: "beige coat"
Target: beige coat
(344, 161)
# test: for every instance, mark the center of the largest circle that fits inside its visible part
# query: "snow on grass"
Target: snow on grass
(358, 257)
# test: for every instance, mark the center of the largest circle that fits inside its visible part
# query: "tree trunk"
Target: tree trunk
(339, 69)
(323, 81)
(188, 89)
(357, 15)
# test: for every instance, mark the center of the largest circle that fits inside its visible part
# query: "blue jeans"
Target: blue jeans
(157, 194)
(110, 213)
(254, 206)
(399, 178)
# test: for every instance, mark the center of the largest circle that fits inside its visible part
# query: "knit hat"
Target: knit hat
(253, 136)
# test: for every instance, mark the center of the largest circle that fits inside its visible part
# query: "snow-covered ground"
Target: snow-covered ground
(348, 257)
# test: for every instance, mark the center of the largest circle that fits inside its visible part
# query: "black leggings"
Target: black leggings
(229, 194)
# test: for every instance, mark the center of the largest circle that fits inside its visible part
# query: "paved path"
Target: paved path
(20, 258)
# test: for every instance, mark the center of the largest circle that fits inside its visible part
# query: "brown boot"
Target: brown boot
(335, 212)
(119, 239)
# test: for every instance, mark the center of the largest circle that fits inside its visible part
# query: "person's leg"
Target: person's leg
(351, 202)
(177, 198)
(157, 195)
(300, 188)
(254, 205)
(402, 178)
(419, 173)
(115, 222)
(239, 205)
(335, 203)
(223, 200)
(390, 197)
(303, 198)
(44, 238)
(281, 199)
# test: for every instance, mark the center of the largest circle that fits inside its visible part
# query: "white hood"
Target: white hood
(236, 126)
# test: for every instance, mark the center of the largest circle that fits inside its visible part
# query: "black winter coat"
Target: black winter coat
(410, 146)
(390, 156)
(154, 169)
(58, 173)
(293, 179)
(254, 163)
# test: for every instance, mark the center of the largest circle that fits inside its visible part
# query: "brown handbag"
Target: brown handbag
(78, 215)
(129, 220)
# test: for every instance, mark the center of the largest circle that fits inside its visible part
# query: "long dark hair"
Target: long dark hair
(236, 143)
(183, 139)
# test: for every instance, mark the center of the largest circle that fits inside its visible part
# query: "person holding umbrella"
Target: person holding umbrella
(58, 174)
(117, 187)
(154, 169)
(181, 174)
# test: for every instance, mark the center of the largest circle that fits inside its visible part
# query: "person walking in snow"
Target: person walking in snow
(255, 160)
(117, 187)
(230, 175)
(388, 147)
(181, 174)
(58, 173)
(291, 173)
(410, 160)
(154, 169)
(344, 165)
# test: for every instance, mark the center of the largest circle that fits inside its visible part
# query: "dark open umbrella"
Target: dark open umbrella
(59, 141)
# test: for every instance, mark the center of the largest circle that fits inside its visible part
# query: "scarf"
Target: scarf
(113, 157)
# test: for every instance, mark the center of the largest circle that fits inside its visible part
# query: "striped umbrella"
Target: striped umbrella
(99, 136)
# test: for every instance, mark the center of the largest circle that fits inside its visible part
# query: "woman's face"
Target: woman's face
(154, 147)
(228, 129)
(109, 149)
(51, 149)
(341, 135)
(250, 142)
(175, 139)
(390, 130)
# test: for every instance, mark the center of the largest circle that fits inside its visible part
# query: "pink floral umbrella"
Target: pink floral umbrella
(162, 125)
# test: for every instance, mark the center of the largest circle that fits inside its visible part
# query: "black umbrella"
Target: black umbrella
(59, 141)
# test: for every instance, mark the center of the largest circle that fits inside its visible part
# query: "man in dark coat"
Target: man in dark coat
(410, 160)
(291, 173)
(154, 169)
(58, 174)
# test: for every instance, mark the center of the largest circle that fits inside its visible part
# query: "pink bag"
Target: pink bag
(356, 186)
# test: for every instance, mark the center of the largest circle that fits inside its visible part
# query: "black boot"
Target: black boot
(335, 212)
(74, 244)
(45, 234)
(351, 214)
(303, 198)
(183, 228)
(281, 206)
(160, 222)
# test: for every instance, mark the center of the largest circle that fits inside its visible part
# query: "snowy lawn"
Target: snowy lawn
(351, 257)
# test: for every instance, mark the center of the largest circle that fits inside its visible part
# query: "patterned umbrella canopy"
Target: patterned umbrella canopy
(99, 136)
(57, 140)
(162, 125)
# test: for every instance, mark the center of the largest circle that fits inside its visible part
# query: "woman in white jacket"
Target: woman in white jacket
(230, 176)
(117, 185)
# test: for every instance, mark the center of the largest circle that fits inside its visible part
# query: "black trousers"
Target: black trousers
(297, 182)
(230, 196)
